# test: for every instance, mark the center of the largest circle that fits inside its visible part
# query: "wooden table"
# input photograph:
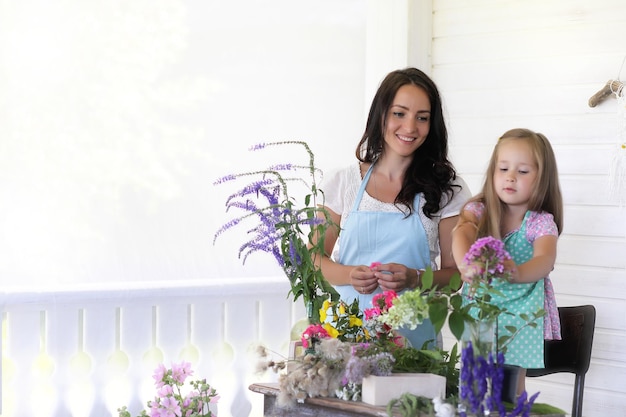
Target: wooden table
(322, 406)
(318, 407)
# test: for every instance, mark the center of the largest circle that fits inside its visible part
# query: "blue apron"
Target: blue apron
(385, 237)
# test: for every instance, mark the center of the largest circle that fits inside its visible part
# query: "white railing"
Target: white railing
(86, 352)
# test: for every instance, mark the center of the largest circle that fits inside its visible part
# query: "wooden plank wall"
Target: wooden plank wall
(535, 64)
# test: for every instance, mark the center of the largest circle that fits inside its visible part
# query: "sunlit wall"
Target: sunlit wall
(117, 116)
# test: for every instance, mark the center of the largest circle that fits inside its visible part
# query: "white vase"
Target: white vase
(379, 390)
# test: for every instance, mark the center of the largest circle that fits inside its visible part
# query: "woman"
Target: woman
(397, 206)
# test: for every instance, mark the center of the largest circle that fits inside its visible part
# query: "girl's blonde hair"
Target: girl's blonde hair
(546, 195)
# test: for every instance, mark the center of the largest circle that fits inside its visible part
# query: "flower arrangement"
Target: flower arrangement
(283, 227)
(345, 349)
(170, 400)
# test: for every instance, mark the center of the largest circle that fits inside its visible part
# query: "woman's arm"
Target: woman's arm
(448, 266)
(361, 277)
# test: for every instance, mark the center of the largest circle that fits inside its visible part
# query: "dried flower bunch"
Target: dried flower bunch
(317, 374)
(284, 226)
(170, 400)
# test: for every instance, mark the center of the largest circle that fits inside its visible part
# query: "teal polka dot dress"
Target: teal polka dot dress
(526, 349)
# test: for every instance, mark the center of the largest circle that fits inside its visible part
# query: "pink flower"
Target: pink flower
(165, 390)
(181, 371)
(314, 331)
(159, 374)
(381, 304)
(485, 259)
(170, 407)
(370, 313)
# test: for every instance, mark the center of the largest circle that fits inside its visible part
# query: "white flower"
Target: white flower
(443, 409)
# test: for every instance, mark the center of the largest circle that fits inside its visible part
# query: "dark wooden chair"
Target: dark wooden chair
(572, 353)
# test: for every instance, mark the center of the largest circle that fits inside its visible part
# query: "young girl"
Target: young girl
(521, 204)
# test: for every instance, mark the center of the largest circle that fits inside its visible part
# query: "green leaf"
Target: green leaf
(438, 311)
(456, 323)
(427, 279)
(456, 301)
(455, 282)
(511, 329)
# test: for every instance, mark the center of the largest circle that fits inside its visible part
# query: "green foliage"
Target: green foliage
(410, 405)
(446, 304)
(433, 361)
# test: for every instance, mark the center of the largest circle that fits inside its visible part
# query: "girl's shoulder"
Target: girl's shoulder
(540, 217)
(540, 223)
(477, 208)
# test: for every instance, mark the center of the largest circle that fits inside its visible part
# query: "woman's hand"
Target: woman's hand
(363, 279)
(395, 277)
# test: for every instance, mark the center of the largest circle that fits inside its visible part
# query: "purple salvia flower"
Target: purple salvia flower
(224, 179)
(258, 146)
(519, 407)
(282, 167)
(252, 188)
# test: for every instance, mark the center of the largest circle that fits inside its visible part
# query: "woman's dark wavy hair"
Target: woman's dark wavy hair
(430, 171)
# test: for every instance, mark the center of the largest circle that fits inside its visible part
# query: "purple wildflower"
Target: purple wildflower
(258, 146)
(381, 363)
(282, 167)
(224, 179)
(488, 255)
(481, 382)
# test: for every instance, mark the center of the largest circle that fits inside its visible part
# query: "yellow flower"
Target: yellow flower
(342, 309)
(355, 321)
(331, 330)
(324, 310)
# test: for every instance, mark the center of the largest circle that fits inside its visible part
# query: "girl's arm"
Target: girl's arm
(542, 262)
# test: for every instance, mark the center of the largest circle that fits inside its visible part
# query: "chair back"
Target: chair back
(573, 352)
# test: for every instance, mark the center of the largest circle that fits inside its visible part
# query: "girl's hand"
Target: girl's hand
(469, 272)
(511, 268)
(395, 277)
(363, 280)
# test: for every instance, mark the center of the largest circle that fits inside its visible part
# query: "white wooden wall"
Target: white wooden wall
(535, 64)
